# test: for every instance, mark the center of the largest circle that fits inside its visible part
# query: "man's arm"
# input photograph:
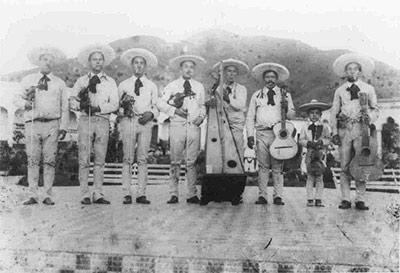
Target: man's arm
(64, 106)
(251, 116)
(334, 111)
(239, 103)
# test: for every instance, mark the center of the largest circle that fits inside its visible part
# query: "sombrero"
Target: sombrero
(367, 64)
(150, 58)
(35, 53)
(106, 50)
(176, 62)
(283, 72)
(241, 67)
(314, 104)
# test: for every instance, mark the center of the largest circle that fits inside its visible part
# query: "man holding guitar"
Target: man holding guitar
(347, 118)
(265, 111)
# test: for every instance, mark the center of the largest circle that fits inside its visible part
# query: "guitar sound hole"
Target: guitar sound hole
(365, 152)
(232, 163)
(214, 139)
(283, 134)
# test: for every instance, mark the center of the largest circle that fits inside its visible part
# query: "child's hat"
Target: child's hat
(314, 104)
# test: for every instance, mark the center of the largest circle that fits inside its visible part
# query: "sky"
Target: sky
(368, 27)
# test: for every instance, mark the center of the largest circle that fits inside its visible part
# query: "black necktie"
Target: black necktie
(42, 84)
(271, 94)
(229, 89)
(92, 83)
(138, 84)
(187, 87)
(353, 89)
(312, 127)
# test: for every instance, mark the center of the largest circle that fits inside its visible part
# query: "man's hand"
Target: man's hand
(95, 109)
(365, 119)
(250, 142)
(146, 117)
(336, 140)
(284, 105)
(226, 97)
(198, 121)
(61, 134)
(28, 105)
(211, 102)
(181, 113)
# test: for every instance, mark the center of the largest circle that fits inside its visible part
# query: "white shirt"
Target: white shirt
(236, 107)
(343, 104)
(49, 104)
(261, 116)
(106, 96)
(194, 106)
(148, 95)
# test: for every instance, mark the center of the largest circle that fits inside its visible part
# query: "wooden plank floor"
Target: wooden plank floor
(190, 238)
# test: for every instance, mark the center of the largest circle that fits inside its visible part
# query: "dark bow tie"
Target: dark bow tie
(93, 82)
(316, 130)
(42, 84)
(138, 84)
(270, 94)
(353, 89)
(228, 89)
(187, 87)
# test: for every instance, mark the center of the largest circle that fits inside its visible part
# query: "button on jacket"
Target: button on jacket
(194, 105)
(106, 96)
(343, 104)
(48, 104)
(147, 99)
(262, 115)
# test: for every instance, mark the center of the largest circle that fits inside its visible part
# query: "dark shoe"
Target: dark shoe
(173, 200)
(278, 201)
(102, 201)
(31, 201)
(318, 203)
(48, 201)
(193, 200)
(142, 200)
(204, 201)
(86, 201)
(345, 205)
(310, 203)
(127, 200)
(361, 206)
(236, 201)
(261, 201)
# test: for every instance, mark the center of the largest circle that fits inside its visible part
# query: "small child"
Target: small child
(315, 135)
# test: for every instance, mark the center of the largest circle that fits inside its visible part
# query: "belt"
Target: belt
(41, 120)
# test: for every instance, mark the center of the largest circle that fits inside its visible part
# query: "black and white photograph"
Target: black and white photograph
(208, 136)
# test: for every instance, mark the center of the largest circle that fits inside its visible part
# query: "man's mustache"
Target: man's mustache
(270, 82)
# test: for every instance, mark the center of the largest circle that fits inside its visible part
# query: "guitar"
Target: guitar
(365, 165)
(284, 146)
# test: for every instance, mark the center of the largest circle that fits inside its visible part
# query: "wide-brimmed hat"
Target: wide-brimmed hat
(35, 53)
(176, 62)
(241, 67)
(106, 50)
(366, 63)
(314, 104)
(150, 58)
(283, 72)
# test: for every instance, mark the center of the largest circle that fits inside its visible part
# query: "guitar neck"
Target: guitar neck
(283, 110)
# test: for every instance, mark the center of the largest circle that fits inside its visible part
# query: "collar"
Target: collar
(316, 123)
(232, 86)
(101, 75)
(134, 78)
(50, 75)
(276, 89)
(183, 80)
(357, 82)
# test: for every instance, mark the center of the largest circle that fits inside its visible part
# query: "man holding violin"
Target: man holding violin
(45, 100)
(138, 97)
(346, 118)
(183, 101)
